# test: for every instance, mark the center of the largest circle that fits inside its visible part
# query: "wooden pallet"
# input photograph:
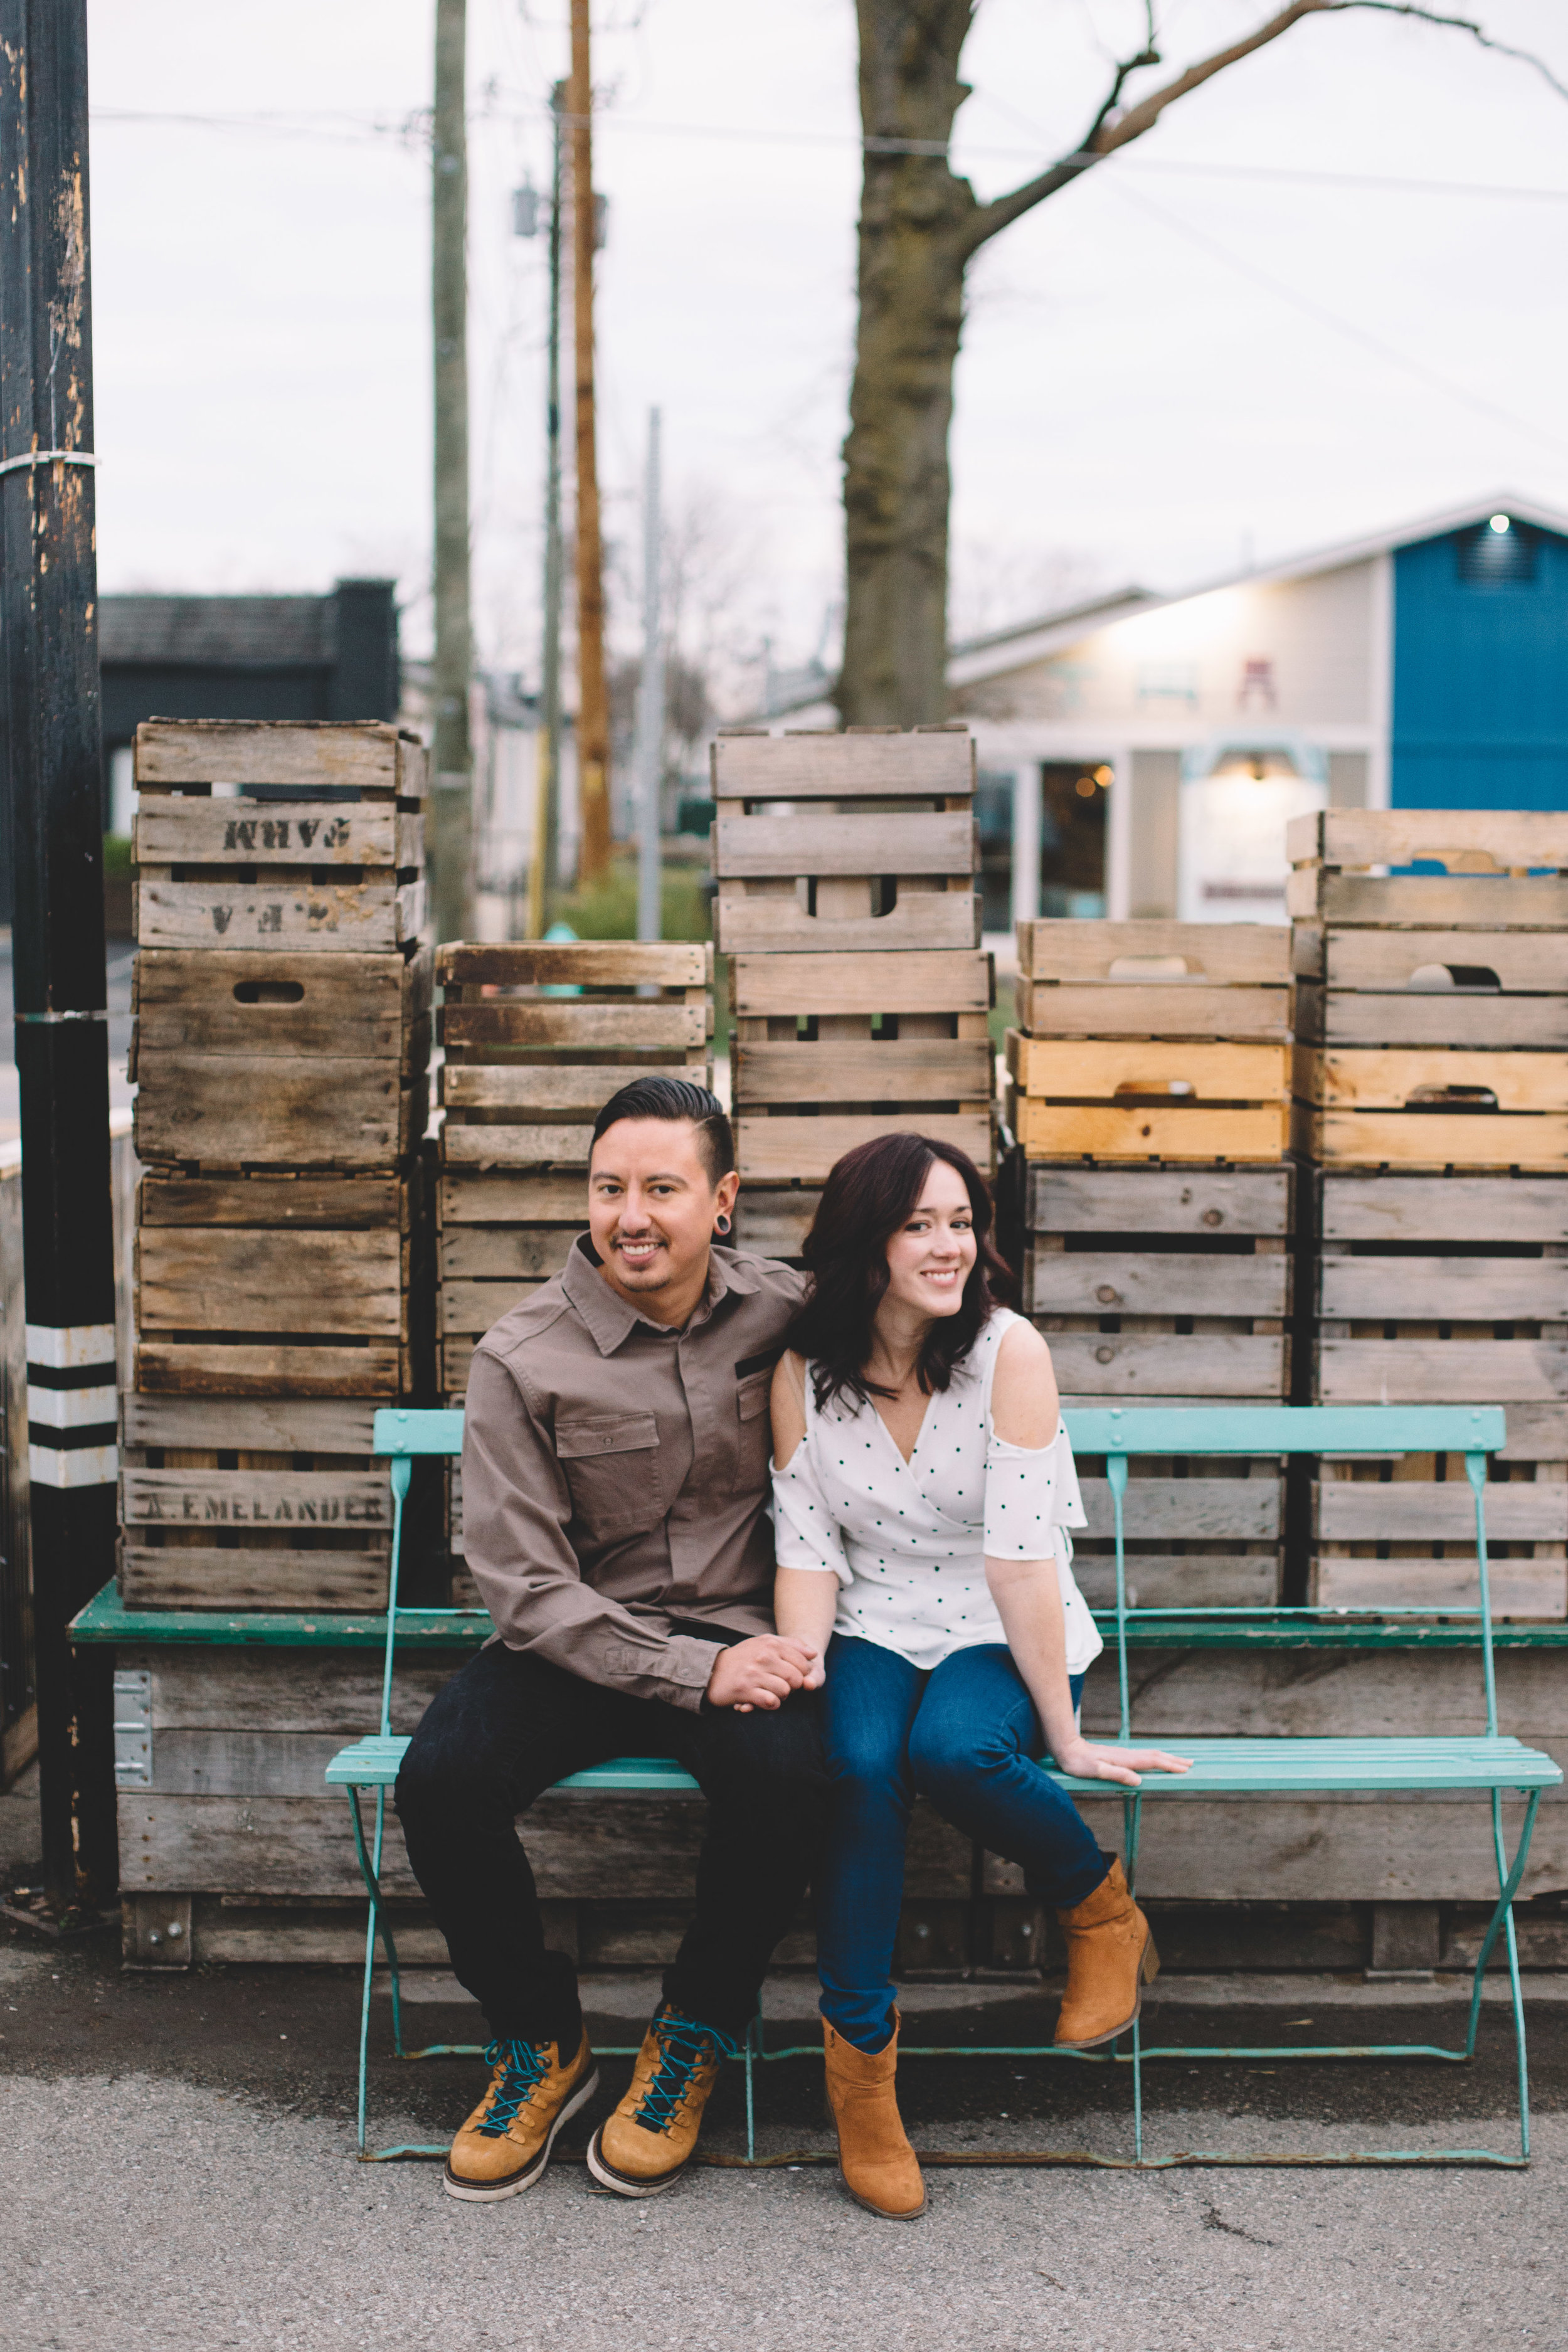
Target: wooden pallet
(1502, 869)
(538, 1037)
(1439, 988)
(882, 855)
(1124, 1099)
(830, 1050)
(242, 1060)
(1140, 979)
(262, 1503)
(1160, 1284)
(259, 1286)
(1431, 1107)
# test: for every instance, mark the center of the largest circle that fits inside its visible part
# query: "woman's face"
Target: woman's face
(931, 1255)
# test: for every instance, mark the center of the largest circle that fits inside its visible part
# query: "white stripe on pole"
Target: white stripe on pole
(650, 704)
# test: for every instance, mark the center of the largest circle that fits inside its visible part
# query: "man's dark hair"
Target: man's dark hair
(675, 1099)
(869, 1194)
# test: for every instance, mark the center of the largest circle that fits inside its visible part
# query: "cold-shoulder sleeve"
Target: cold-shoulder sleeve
(806, 1533)
(1030, 1491)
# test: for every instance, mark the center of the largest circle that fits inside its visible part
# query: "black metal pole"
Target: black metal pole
(49, 600)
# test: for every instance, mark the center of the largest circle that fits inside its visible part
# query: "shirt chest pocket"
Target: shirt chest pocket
(612, 1469)
(754, 1445)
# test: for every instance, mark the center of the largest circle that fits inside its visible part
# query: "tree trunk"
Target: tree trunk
(914, 214)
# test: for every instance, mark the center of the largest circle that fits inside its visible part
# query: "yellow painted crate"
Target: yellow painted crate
(1123, 1099)
(1415, 1106)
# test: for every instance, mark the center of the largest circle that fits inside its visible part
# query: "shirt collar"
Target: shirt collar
(607, 1314)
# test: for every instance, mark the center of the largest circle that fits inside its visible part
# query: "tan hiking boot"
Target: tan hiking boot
(505, 2144)
(1111, 1959)
(647, 2143)
(880, 2169)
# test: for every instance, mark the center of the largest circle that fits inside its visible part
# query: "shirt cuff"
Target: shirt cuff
(688, 1669)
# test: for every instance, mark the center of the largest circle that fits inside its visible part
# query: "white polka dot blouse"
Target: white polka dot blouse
(907, 1541)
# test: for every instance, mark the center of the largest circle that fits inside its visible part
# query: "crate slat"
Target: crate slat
(813, 985)
(798, 767)
(924, 921)
(361, 755)
(173, 830)
(777, 1150)
(913, 1070)
(331, 917)
(1163, 958)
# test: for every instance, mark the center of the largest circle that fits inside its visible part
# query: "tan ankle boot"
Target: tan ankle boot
(879, 2166)
(1111, 1959)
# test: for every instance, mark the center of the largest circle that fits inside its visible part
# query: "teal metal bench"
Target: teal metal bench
(1487, 1764)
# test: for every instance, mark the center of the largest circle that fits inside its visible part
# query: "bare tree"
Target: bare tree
(921, 226)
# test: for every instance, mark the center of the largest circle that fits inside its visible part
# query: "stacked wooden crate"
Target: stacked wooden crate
(845, 902)
(280, 1053)
(1432, 1077)
(1149, 1086)
(537, 1037)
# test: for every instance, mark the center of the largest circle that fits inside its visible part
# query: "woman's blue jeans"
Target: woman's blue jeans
(964, 1736)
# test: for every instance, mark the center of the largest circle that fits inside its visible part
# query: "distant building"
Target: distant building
(333, 657)
(1424, 668)
(1139, 754)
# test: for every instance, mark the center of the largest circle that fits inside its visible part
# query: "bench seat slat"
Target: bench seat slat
(373, 1764)
(1291, 1767)
(1220, 1767)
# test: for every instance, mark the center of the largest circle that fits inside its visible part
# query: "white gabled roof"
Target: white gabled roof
(1035, 641)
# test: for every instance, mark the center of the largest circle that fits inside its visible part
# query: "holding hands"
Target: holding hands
(762, 1672)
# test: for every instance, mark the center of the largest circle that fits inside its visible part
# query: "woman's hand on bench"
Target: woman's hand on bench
(1085, 1761)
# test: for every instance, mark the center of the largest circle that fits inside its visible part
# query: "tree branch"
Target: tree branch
(1113, 128)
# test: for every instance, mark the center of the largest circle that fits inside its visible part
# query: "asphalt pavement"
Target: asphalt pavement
(177, 2169)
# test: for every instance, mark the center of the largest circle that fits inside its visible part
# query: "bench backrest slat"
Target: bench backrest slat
(1118, 1432)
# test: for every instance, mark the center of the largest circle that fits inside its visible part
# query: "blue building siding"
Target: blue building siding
(1480, 681)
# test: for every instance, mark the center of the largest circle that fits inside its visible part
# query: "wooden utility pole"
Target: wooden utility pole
(541, 867)
(51, 743)
(592, 702)
(452, 767)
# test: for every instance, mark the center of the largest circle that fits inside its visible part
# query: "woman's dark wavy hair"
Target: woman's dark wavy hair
(870, 1193)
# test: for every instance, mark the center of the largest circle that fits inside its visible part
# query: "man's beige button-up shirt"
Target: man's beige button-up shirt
(616, 1473)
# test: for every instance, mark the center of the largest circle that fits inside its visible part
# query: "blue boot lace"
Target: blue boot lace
(525, 2070)
(685, 2046)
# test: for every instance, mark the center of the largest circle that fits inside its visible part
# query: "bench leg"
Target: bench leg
(1132, 1825)
(750, 2051)
(1502, 1922)
(368, 1874)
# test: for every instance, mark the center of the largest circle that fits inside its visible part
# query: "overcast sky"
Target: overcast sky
(1168, 371)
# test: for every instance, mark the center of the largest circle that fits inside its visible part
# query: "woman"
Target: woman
(922, 1486)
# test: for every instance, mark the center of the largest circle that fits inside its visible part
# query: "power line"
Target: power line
(1346, 326)
(413, 129)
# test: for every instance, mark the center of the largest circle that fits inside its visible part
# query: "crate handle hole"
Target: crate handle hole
(1428, 979)
(1152, 967)
(269, 992)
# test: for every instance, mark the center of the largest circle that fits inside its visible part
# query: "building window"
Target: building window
(1257, 691)
(1498, 553)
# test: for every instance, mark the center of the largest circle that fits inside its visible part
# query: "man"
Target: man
(615, 1484)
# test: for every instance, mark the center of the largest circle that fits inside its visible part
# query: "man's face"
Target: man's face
(651, 1206)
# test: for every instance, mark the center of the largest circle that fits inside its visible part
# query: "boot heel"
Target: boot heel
(1149, 1968)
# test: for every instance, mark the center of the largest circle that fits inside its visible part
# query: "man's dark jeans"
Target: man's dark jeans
(507, 1727)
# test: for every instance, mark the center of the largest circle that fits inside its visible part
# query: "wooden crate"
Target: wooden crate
(1122, 1098)
(257, 1504)
(277, 837)
(859, 841)
(1502, 869)
(1158, 1287)
(1431, 1107)
(264, 1285)
(830, 1050)
(538, 1037)
(1444, 1290)
(242, 1060)
(1227, 981)
(1434, 988)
